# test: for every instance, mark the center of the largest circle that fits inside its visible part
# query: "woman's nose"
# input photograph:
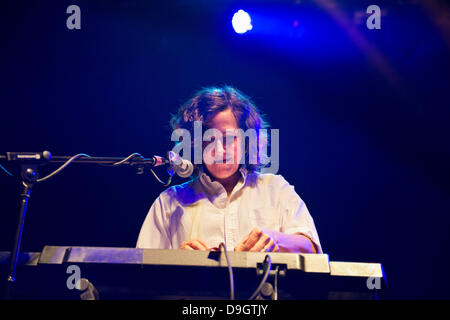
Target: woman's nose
(220, 148)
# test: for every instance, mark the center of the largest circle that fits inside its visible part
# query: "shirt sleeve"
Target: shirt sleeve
(295, 217)
(153, 234)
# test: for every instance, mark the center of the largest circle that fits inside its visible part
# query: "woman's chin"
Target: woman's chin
(223, 171)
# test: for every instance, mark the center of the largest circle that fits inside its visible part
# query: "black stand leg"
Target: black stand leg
(29, 176)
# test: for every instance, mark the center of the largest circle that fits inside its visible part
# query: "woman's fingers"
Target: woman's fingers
(199, 244)
(258, 241)
(271, 247)
(261, 243)
(194, 244)
(250, 240)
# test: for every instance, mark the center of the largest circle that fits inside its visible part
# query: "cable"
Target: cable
(275, 284)
(268, 260)
(116, 164)
(63, 166)
(165, 184)
(230, 269)
(127, 158)
(170, 171)
(4, 169)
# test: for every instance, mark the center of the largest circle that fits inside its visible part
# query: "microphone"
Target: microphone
(27, 157)
(183, 168)
(158, 161)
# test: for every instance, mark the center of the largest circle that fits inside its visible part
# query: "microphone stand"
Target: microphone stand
(30, 163)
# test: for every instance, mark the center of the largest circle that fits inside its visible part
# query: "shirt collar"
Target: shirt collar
(215, 192)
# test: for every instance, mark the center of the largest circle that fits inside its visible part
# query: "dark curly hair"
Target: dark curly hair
(209, 101)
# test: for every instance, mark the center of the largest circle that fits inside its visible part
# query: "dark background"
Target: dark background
(363, 117)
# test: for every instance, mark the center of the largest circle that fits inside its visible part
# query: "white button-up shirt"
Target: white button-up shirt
(201, 209)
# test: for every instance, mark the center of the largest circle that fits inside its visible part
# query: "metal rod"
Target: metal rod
(103, 160)
(26, 194)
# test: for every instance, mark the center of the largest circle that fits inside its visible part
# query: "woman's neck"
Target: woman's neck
(230, 182)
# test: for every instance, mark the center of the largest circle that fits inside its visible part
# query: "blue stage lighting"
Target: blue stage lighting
(241, 22)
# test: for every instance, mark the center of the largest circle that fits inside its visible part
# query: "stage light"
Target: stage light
(241, 22)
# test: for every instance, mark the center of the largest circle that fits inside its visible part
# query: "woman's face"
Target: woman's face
(229, 154)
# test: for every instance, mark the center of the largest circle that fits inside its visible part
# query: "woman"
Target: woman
(228, 200)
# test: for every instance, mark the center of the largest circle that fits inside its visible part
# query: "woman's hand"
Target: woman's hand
(194, 244)
(258, 240)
